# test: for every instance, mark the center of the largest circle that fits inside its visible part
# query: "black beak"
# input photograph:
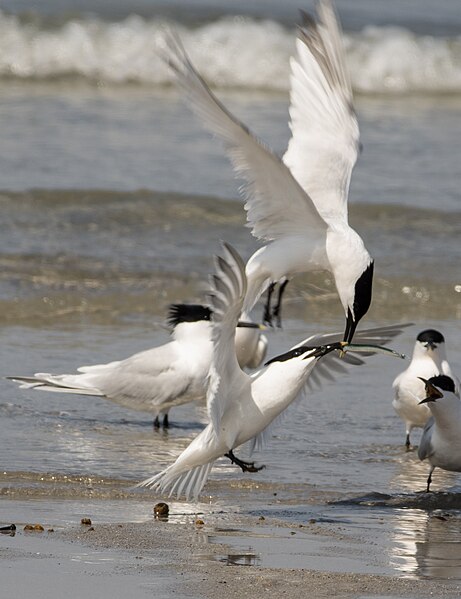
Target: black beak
(431, 345)
(351, 325)
(311, 352)
(250, 325)
(432, 392)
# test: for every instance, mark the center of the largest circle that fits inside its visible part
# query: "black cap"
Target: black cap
(178, 313)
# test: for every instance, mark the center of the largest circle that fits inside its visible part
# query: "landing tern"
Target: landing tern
(429, 359)
(242, 406)
(157, 379)
(298, 204)
(441, 438)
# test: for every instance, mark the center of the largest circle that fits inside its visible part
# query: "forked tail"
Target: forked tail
(189, 482)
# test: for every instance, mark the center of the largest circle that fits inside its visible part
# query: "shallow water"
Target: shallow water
(114, 202)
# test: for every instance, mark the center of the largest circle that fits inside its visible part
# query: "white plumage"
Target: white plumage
(297, 205)
(242, 406)
(429, 359)
(157, 379)
(441, 438)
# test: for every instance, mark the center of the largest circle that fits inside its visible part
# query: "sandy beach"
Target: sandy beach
(194, 556)
(113, 200)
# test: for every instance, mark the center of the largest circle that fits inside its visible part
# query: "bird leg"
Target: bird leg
(165, 422)
(429, 478)
(267, 316)
(245, 466)
(407, 442)
(277, 311)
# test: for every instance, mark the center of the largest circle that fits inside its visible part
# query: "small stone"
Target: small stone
(90, 529)
(161, 509)
(7, 529)
(85, 521)
(50, 530)
(262, 518)
(199, 522)
(34, 527)
(312, 521)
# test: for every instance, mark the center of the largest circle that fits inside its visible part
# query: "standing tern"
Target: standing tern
(242, 406)
(298, 205)
(441, 439)
(428, 360)
(157, 379)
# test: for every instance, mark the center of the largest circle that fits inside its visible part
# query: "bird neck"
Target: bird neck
(280, 383)
(193, 332)
(348, 259)
(447, 412)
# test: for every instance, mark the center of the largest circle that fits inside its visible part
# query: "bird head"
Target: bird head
(435, 387)
(429, 341)
(358, 306)
(352, 268)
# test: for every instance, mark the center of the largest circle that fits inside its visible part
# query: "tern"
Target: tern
(157, 379)
(441, 438)
(428, 360)
(242, 406)
(298, 204)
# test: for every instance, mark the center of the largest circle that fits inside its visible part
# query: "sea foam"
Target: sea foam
(233, 52)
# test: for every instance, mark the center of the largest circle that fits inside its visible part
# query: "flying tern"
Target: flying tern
(441, 439)
(428, 360)
(242, 406)
(157, 379)
(298, 204)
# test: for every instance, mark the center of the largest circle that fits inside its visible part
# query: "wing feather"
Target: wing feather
(228, 288)
(276, 204)
(325, 134)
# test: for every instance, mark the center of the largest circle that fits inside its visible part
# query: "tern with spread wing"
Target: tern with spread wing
(157, 379)
(298, 205)
(441, 439)
(429, 359)
(242, 406)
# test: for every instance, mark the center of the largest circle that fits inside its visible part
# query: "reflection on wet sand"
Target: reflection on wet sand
(411, 475)
(426, 544)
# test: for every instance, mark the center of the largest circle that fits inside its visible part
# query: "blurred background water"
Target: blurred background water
(113, 202)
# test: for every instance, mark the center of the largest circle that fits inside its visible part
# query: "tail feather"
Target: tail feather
(62, 383)
(190, 483)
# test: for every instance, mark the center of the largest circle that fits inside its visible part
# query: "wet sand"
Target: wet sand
(176, 559)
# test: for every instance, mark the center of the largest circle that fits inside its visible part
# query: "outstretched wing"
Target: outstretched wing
(276, 204)
(226, 379)
(325, 143)
(332, 364)
(328, 367)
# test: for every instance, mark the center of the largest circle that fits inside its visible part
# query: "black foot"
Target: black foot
(245, 466)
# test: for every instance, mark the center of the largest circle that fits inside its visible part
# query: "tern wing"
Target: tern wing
(425, 449)
(227, 382)
(325, 134)
(276, 204)
(144, 381)
(328, 367)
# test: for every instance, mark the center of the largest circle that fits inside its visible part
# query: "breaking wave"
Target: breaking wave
(230, 52)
